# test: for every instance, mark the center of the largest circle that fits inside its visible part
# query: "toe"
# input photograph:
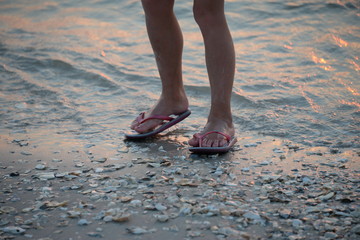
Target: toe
(134, 124)
(194, 142)
(222, 143)
(215, 143)
(206, 143)
(147, 126)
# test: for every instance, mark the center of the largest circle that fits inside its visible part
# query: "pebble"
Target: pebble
(14, 174)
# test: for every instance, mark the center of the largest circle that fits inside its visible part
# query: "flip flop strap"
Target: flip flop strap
(158, 117)
(227, 136)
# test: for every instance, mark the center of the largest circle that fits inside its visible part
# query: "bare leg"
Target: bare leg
(167, 43)
(220, 62)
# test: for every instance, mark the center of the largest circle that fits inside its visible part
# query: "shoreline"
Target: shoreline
(266, 188)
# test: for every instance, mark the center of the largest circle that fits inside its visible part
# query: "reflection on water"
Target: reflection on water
(84, 69)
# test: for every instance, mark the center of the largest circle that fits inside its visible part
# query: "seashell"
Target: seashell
(95, 234)
(13, 230)
(137, 230)
(126, 199)
(40, 166)
(83, 222)
(52, 204)
(63, 223)
(121, 218)
(123, 149)
(73, 214)
(100, 160)
(26, 153)
(135, 203)
(46, 176)
(186, 182)
(7, 210)
(162, 218)
(108, 218)
(160, 207)
(327, 196)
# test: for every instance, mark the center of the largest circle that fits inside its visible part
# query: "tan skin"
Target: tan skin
(167, 43)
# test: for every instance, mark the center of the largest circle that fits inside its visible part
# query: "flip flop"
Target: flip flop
(171, 121)
(214, 150)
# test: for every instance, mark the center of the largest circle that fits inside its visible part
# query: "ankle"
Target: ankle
(170, 105)
(221, 116)
(177, 97)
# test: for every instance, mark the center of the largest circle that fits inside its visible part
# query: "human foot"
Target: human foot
(170, 121)
(162, 108)
(213, 139)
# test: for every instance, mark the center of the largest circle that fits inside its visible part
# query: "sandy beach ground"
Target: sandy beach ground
(266, 188)
(74, 74)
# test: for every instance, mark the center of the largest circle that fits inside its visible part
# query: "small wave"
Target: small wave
(240, 101)
(311, 8)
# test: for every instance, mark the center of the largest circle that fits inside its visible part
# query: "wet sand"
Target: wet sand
(266, 188)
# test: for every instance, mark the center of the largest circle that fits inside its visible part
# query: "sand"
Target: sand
(265, 188)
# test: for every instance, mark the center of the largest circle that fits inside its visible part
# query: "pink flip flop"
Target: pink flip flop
(214, 150)
(171, 121)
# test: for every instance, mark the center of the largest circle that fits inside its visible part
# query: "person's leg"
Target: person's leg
(167, 43)
(220, 62)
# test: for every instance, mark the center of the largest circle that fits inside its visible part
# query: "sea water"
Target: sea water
(82, 70)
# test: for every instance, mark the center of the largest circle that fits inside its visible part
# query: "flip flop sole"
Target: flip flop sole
(213, 150)
(160, 129)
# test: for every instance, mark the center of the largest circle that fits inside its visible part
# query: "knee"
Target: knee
(206, 14)
(157, 7)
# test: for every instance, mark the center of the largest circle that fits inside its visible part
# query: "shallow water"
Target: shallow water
(82, 70)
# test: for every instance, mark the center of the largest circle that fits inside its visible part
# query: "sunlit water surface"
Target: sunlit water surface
(82, 70)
